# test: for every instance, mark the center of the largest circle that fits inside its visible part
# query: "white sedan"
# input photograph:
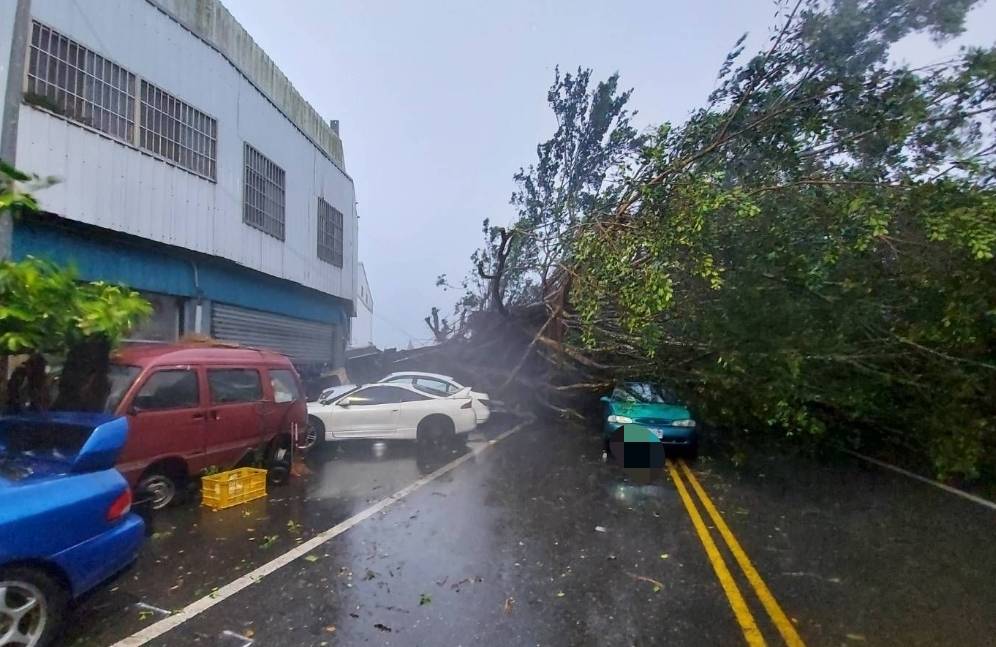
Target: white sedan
(436, 384)
(391, 411)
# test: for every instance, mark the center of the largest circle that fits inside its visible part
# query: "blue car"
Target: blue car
(645, 411)
(65, 518)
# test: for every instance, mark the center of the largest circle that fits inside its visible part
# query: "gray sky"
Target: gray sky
(440, 102)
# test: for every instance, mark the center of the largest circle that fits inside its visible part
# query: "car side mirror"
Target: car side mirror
(345, 402)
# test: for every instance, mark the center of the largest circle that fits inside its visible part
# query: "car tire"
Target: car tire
(314, 435)
(436, 430)
(278, 467)
(163, 487)
(43, 622)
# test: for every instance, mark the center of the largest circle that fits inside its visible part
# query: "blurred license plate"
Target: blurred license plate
(657, 432)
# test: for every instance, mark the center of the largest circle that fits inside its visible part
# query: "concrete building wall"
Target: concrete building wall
(361, 330)
(116, 185)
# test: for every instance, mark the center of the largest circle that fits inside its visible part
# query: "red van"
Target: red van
(197, 407)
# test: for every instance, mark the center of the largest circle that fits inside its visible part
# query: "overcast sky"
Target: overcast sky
(441, 102)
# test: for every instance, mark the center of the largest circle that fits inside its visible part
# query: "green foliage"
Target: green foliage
(574, 175)
(811, 255)
(44, 308)
(16, 188)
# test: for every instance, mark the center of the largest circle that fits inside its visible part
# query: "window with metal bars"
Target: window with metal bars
(179, 132)
(263, 195)
(329, 233)
(69, 79)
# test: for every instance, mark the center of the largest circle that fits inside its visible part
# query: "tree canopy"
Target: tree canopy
(810, 255)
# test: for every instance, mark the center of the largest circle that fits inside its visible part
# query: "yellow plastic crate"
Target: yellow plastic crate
(227, 489)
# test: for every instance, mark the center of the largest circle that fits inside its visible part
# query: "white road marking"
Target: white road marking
(197, 607)
(148, 607)
(947, 488)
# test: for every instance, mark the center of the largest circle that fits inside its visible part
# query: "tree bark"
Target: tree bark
(84, 385)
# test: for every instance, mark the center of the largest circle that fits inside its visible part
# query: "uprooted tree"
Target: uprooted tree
(46, 313)
(810, 255)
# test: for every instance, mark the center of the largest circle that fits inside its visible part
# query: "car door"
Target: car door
(166, 418)
(414, 407)
(369, 412)
(235, 422)
(287, 405)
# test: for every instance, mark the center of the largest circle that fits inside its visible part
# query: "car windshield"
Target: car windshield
(644, 392)
(120, 377)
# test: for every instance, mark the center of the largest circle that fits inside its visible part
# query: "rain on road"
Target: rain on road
(531, 540)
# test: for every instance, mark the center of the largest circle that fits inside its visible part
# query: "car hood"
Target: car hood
(643, 411)
(44, 446)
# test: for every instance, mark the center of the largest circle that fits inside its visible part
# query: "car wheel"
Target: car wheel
(279, 466)
(33, 606)
(160, 487)
(314, 435)
(436, 430)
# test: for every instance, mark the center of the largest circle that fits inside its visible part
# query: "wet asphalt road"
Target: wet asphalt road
(535, 542)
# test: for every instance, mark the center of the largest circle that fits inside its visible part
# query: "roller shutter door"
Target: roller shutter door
(303, 341)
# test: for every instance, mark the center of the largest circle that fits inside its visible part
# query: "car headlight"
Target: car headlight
(683, 423)
(620, 420)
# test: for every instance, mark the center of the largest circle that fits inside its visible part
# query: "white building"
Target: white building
(361, 334)
(190, 169)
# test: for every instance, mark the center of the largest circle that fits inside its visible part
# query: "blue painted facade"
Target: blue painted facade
(102, 255)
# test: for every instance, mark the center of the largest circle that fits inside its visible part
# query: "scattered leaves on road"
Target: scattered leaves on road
(382, 627)
(560, 594)
(507, 607)
(268, 541)
(311, 558)
(600, 529)
(424, 599)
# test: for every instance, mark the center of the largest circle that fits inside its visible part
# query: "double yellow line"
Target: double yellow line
(742, 612)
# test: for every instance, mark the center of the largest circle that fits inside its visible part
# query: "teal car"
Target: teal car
(650, 410)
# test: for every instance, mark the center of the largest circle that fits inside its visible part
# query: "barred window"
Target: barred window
(263, 199)
(69, 79)
(329, 233)
(177, 131)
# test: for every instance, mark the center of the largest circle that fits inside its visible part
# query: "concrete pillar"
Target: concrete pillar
(12, 106)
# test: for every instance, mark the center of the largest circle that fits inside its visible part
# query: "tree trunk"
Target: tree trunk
(84, 385)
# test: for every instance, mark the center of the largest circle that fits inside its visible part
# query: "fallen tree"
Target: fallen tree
(809, 256)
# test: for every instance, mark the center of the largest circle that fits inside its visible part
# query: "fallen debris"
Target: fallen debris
(658, 585)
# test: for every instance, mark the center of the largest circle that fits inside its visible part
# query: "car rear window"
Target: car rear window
(433, 386)
(230, 385)
(284, 386)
